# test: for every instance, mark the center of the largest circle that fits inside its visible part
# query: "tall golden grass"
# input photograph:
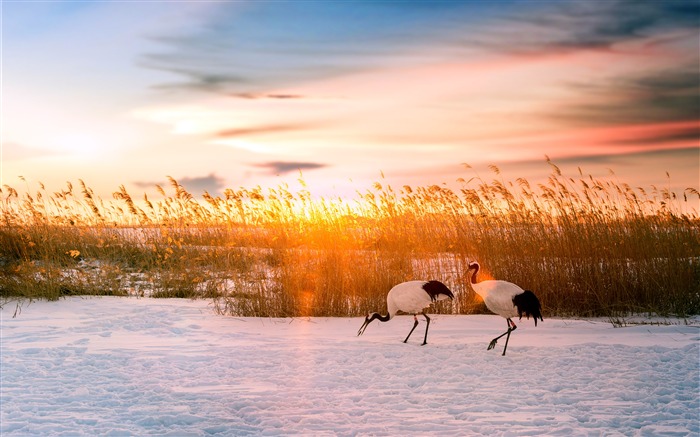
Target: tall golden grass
(585, 246)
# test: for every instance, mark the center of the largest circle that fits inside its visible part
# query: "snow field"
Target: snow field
(126, 366)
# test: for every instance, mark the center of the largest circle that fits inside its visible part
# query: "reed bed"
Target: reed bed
(586, 246)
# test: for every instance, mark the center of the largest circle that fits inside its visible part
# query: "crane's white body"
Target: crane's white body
(507, 300)
(498, 296)
(409, 297)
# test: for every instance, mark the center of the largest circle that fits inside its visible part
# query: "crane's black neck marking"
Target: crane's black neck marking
(475, 267)
(528, 304)
(379, 317)
(435, 289)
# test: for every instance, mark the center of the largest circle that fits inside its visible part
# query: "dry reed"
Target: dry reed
(586, 246)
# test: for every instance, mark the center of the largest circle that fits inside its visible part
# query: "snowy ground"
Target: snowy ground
(127, 366)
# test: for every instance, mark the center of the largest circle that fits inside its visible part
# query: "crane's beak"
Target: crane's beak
(363, 327)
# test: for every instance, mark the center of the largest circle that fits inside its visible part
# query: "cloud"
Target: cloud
(253, 96)
(269, 50)
(197, 185)
(198, 79)
(247, 50)
(282, 167)
(545, 27)
(660, 96)
(686, 154)
(260, 130)
(685, 135)
(638, 89)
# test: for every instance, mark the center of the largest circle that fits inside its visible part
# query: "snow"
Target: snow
(169, 367)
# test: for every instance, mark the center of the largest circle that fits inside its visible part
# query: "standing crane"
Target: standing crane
(507, 300)
(411, 297)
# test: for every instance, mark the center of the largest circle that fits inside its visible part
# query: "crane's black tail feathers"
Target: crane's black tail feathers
(435, 289)
(528, 304)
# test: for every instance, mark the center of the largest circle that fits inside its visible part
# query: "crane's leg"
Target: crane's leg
(510, 323)
(415, 323)
(511, 327)
(427, 319)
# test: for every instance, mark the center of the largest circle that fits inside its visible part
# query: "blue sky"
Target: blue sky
(228, 94)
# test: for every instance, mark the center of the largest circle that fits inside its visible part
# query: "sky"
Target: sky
(228, 94)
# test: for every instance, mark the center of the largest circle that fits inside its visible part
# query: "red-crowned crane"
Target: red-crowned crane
(507, 300)
(411, 297)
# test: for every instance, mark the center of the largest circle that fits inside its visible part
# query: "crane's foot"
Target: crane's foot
(492, 344)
